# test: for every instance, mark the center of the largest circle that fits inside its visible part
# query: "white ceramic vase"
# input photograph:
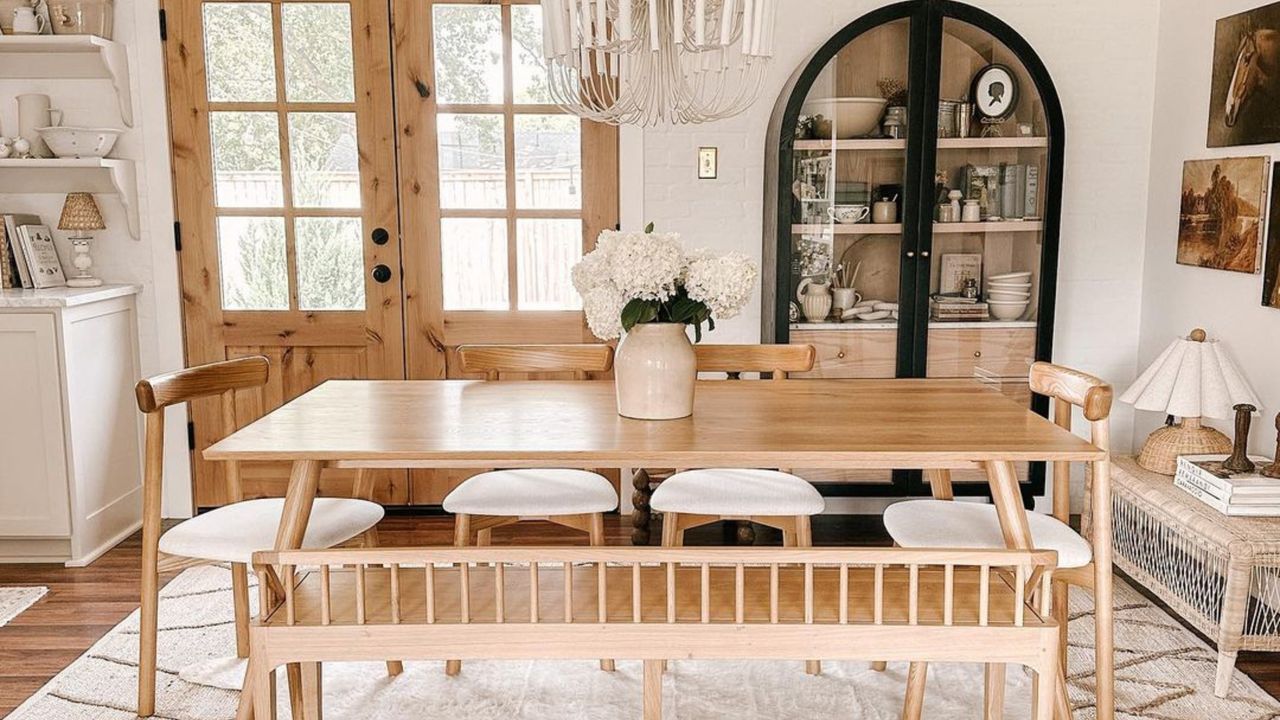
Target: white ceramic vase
(654, 372)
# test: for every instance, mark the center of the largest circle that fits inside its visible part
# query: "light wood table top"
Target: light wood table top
(811, 423)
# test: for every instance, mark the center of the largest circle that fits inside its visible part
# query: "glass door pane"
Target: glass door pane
(987, 242)
(846, 214)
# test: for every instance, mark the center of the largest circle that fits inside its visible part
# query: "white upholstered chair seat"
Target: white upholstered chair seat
(950, 524)
(233, 533)
(737, 492)
(535, 492)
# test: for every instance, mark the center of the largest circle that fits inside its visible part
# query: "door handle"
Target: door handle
(911, 253)
(381, 273)
(380, 236)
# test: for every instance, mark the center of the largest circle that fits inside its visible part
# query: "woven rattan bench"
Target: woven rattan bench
(1220, 573)
(653, 604)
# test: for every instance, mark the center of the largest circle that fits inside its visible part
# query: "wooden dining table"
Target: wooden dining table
(821, 424)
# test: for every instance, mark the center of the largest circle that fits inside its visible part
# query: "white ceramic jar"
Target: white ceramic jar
(654, 372)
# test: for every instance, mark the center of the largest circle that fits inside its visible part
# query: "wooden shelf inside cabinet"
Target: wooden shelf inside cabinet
(63, 175)
(854, 144)
(68, 57)
(856, 326)
(992, 142)
(849, 229)
(1011, 226)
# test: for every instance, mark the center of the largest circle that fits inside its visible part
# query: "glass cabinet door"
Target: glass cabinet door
(986, 246)
(849, 164)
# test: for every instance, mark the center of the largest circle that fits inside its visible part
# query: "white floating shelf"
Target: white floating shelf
(1009, 226)
(849, 229)
(68, 57)
(63, 175)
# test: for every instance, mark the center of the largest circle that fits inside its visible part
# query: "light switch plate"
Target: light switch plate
(708, 163)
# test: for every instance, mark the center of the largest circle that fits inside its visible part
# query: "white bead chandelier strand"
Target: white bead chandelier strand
(645, 62)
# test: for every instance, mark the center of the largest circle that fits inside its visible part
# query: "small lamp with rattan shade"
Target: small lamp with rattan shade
(1193, 378)
(80, 215)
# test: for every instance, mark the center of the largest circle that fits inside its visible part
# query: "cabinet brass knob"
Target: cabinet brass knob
(840, 355)
(977, 353)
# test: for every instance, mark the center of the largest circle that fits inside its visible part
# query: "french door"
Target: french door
(362, 186)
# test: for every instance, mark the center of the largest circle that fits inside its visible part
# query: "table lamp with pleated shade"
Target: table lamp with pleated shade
(1193, 378)
(81, 216)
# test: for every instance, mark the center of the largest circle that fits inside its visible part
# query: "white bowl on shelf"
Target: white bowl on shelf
(1004, 296)
(852, 117)
(1009, 287)
(79, 142)
(1007, 310)
(1021, 276)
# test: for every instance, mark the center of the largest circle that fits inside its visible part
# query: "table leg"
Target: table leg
(304, 482)
(1008, 501)
(1103, 612)
(1231, 623)
(640, 515)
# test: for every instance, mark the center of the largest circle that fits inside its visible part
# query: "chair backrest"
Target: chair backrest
(1071, 389)
(497, 360)
(733, 360)
(154, 394)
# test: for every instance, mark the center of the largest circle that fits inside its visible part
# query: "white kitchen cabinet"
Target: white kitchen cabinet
(70, 432)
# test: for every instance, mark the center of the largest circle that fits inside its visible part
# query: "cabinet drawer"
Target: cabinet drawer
(850, 353)
(990, 352)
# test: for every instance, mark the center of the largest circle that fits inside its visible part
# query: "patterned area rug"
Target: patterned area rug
(1164, 673)
(13, 600)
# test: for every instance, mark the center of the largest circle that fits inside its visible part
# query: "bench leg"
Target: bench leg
(1226, 670)
(653, 689)
(1045, 693)
(993, 691)
(262, 683)
(914, 702)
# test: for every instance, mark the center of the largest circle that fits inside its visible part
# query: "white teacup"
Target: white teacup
(849, 214)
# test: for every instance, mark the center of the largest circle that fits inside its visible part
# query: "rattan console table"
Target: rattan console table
(1221, 574)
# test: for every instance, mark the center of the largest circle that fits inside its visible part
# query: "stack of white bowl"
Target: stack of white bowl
(1009, 294)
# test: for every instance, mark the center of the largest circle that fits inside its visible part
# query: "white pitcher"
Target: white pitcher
(815, 299)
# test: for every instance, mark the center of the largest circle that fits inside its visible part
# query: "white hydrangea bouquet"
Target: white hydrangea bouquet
(646, 277)
(646, 285)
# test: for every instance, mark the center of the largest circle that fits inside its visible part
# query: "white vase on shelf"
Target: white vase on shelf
(654, 372)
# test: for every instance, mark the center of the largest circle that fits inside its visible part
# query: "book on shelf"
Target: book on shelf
(42, 257)
(1005, 192)
(955, 308)
(1243, 494)
(19, 266)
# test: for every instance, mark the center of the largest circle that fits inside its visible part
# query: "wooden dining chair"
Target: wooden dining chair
(571, 498)
(231, 533)
(943, 523)
(773, 498)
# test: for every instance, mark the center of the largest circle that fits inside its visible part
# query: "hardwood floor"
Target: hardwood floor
(84, 603)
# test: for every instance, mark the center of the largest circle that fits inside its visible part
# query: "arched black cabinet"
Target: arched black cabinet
(852, 182)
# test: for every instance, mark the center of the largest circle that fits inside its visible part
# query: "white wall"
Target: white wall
(1177, 298)
(150, 261)
(1101, 55)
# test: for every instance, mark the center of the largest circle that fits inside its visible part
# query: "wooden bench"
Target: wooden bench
(652, 604)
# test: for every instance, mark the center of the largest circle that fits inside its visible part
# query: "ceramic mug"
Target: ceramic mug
(848, 214)
(844, 298)
(27, 22)
(884, 212)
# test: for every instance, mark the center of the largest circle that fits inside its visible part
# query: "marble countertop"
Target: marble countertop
(64, 296)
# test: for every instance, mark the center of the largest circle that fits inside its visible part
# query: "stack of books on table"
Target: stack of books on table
(957, 308)
(1203, 478)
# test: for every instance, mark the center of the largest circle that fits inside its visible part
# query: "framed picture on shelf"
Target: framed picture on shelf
(994, 92)
(957, 268)
(1271, 274)
(1244, 99)
(1222, 213)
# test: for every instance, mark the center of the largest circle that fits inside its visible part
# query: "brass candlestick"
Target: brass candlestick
(1239, 461)
(1273, 470)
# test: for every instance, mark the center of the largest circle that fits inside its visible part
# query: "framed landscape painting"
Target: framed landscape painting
(1271, 276)
(1222, 213)
(1244, 101)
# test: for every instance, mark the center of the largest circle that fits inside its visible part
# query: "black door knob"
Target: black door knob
(380, 236)
(381, 273)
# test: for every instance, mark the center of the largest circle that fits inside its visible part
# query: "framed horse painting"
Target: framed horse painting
(1244, 106)
(1222, 213)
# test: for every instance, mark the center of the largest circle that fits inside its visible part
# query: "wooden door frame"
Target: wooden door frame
(427, 356)
(208, 330)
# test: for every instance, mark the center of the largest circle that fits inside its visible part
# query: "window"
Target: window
(510, 163)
